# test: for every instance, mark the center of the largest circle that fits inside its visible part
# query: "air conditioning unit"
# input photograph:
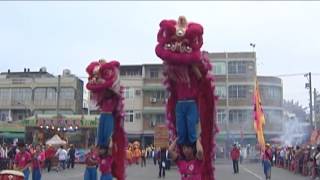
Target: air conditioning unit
(153, 100)
(137, 115)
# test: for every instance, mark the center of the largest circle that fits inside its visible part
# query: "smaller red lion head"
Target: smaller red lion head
(179, 41)
(102, 75)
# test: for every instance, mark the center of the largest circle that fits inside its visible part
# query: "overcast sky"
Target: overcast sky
(61, 35)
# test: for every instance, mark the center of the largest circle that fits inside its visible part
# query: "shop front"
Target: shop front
(79, 130)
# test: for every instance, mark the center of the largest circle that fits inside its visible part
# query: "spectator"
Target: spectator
(62, 155)
(235, 155)
(162, 162)
(154, 156)
(11, 155)
(72, 156)
(143, 157)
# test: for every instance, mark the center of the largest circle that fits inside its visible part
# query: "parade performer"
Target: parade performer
(105, 162)
(37, 163)
(266, 161)
(136, 152)
(190, 160)
(23, 160)
(191, 87)
(91, 161)
(129, 154)
(104, 85)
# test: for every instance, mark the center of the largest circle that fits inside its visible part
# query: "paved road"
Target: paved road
(223, 172)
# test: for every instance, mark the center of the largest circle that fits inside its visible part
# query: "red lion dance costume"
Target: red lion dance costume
(191, 87)
(104, 84)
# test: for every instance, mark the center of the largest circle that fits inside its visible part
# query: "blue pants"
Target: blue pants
(267, 168)
(63, 164)
(106, 176)
(90, 173)
(26, 174)
(36, 174)
(187, 119)
(105, 129)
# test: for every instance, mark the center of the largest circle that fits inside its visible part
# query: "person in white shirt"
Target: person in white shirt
(62, 155)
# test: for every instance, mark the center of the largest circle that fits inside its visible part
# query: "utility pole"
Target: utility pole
(227, 109)
(309, 86)
(58, 94)
(315, 107)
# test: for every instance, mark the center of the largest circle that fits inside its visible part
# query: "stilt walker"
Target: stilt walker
(191, 89)
(104, 85)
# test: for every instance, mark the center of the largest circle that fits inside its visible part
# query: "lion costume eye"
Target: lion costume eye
(109, 72)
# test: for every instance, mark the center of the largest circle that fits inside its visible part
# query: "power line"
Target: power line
(280, 75)
(296, 74)
(287, 75)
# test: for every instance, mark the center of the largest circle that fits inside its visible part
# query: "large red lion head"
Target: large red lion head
(103, 75)
(179, 41)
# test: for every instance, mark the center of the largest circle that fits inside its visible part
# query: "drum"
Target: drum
(11, 175)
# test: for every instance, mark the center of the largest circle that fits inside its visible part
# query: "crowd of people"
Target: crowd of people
(139, 156)
(304, 160)
(300, 159)
(34, 159)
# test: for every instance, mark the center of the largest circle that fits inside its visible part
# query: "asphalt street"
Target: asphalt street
(248, 171)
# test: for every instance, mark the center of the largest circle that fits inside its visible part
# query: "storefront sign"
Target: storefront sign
(58, 122)
(161, 136)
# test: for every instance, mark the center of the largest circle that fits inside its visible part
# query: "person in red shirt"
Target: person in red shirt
(37, 159)
(266, 161)
(23, 160)
(92, 160)
(105, 162)
(49, 154)
(235, 155)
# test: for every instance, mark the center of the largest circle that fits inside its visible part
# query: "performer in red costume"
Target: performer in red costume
(104, 84)
(191, 87)
(190, 160)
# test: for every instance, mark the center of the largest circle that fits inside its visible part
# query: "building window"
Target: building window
(67, 93)
(154, 73)
(159, 95)
(270, 92)
(130, 72)
(51, 94)
(45, 94)
(219, 68)
(4, 94)
(238, 91)
(160, 119)
(129, 116)
(221, 92)
(237, 67)
(129, 93)
(221, 116)
(240, 116)
(138, 92)
(20, 95)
